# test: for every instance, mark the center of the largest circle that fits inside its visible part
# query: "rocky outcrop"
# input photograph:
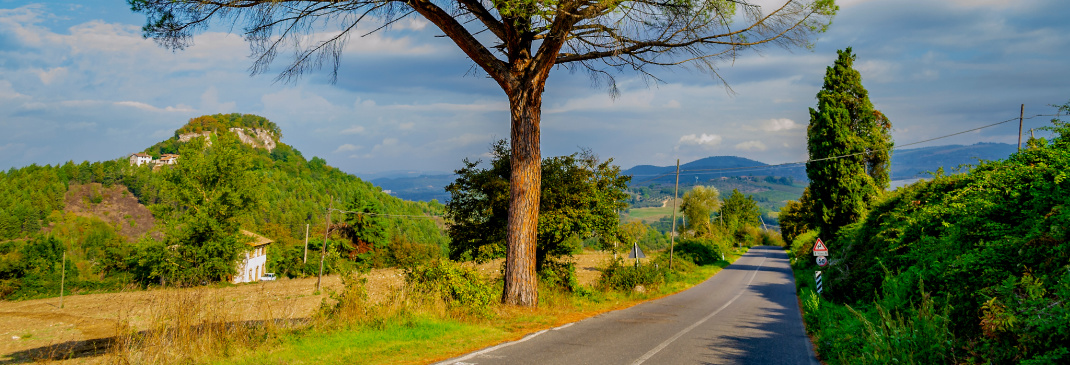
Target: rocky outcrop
(188, 136)
(255, 137)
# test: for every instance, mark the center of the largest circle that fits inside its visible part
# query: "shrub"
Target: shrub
(458, 286)
(559, 275)
(802, 249)
(626, 277)
(700, 251)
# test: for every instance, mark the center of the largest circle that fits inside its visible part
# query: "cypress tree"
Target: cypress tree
(845, 124)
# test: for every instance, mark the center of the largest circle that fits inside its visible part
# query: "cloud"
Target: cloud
(708, 140)
(143, 106)
(357, 129)
(347, 148)
(779, 124)
(751, 146)
(51, 74)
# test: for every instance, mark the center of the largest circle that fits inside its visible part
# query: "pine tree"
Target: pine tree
(850, 147)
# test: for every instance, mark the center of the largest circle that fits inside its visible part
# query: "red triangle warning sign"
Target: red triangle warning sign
(820, 246)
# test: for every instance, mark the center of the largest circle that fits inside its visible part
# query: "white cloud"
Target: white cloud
(347, 148)
(406, 126)
(8, 92)
(143, 106)
(779, 124)
(751, 146)
(52, 74)
(708, 140)
(357, 129)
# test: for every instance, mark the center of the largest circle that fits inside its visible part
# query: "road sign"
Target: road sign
(636, 252)
(822, 261)
(820, 249)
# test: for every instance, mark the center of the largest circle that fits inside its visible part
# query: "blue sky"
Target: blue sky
(78, 82)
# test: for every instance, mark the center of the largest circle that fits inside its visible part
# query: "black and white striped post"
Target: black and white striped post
(817, 279)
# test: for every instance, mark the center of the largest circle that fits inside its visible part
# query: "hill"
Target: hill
(917, 162)
(418, 188)
(87, 212)
(711, 168)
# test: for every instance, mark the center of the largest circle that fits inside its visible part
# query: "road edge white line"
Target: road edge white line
(459, 360)
(665, 344)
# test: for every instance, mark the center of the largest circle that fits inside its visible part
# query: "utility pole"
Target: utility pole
(323, 250)
(62, 277)
(306, 244)
(672, 235)
(1021, 114)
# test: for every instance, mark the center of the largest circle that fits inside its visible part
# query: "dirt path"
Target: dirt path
(34, 324)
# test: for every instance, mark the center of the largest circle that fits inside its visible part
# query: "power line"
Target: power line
(787, 164)
(385, 215)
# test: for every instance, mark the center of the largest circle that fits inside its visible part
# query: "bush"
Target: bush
(559, 275)
(701, 251)
(627, 277)
(771, 238)
(802, 249)
(458, 286)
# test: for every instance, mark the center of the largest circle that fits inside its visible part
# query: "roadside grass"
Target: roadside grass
(412, 341)
(423, 321)
(408, 338)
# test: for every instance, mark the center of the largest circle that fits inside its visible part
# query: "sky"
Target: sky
(79, 82)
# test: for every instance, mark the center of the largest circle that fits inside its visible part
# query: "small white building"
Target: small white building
(140, 158)
(252, 263)
(167, 159)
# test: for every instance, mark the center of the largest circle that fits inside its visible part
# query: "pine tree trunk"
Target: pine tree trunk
(525, 101)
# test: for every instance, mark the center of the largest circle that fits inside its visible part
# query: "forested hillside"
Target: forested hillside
(289, 191)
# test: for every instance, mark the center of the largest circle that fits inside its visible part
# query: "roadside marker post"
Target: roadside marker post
(816, 278)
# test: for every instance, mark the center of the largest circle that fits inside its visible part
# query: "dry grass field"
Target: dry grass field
(31, 326)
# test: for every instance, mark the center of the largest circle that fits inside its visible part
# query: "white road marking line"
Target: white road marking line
(665, 344)
(460, 361)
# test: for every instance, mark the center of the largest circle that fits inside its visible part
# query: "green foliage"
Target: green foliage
(223, 122)
(698, 205)
(991, 245)
(291, 190)
(207, 191)
(802, 249)
(580, 196)
(901, 327)
(30, 195)
(459, 286)
(849, 145)
(795, 217)
(739, 211)
(626, 276)
(702, 251)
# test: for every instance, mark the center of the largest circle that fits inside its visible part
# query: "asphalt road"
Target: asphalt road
(746, 314)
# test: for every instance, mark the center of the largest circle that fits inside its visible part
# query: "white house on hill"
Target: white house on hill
(253, 262)
(140, 158)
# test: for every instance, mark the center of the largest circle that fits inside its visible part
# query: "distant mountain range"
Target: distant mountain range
(906, 164)
(917, 162)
